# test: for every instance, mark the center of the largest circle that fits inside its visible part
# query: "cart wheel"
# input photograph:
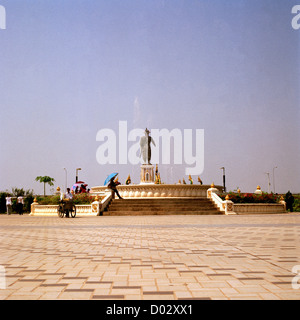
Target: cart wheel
(60, 212)
(73, 211)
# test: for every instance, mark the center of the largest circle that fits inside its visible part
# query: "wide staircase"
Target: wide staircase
(162, 206)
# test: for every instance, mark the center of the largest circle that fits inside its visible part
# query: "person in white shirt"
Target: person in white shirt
(8, 204)
(69, 198)
(20, 205)
(68, 194)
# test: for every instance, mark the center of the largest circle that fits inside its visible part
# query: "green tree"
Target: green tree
(16, 192)
(45, 180)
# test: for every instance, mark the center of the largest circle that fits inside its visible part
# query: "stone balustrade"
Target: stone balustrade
(226, 206)
(159, 190)
(49, 210)
(257, 208)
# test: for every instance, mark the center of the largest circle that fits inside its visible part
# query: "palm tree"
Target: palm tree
(45, 180)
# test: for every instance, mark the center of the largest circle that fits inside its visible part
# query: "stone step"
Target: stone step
(177, 208)
(165, 210)
(141, 213)
(174, 207)
(122, 204)
(165, 206)
(160, 201)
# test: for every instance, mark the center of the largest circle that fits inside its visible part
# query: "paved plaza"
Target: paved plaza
(150, 257)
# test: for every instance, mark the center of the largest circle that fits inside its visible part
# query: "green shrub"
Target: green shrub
(26, 194)
(48, 200)
(296, 205)
(27, 203)
(81, 198)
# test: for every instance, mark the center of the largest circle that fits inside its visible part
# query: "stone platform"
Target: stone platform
(150, 257)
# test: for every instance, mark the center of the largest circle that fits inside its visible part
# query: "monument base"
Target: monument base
(149, 190)
(147, 174)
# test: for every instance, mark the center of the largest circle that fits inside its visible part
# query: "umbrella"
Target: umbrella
(111, 176)
(78, 184)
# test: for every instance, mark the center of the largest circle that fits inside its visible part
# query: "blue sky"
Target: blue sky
(71, 68)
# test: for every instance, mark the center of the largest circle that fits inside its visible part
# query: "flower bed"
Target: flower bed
(251, 197)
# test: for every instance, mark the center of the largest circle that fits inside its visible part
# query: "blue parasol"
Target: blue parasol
(111, 176)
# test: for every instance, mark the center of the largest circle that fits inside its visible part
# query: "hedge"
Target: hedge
(251, 197)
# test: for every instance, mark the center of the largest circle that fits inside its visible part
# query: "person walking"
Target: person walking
(8, 204)
(113, 186)
(20, 205)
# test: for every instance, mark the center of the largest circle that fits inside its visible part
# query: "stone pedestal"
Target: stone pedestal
(96, 206)
(33, 206)
(147, 174)
(211, 190)
(258, 190)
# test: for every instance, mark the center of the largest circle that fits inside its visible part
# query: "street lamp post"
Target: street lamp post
(274, 179)
(66, 179)
(77, 174)
(224, 187)
(268, 174)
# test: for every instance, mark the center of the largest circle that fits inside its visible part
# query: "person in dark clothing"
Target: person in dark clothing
(113, 186)
(289, 200)
(20, 204)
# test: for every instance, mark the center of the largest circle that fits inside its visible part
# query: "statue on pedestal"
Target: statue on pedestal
(147, 169)
(145, 145)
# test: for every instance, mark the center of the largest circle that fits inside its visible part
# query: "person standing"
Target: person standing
(289, 199)
(8, 204)
(20, 205)
(69, 198)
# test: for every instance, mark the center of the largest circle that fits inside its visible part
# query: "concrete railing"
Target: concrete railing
(105, 202)
(49, 210)
(226, 206)
(256, 208)
(93, 209)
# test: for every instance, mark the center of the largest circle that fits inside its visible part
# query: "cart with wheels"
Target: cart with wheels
(66, 208)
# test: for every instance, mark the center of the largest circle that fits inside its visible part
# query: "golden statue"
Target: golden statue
(128, 181)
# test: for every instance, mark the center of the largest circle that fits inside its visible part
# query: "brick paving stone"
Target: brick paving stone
(150, 257)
